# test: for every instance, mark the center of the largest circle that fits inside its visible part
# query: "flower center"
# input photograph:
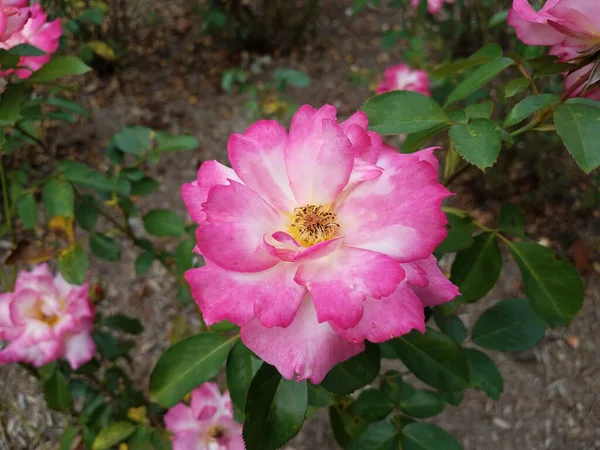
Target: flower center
(312, 224)
(215, 432)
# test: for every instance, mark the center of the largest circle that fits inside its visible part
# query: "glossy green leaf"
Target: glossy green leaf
(86, 212)
(275, 409)
(186, 365)
(372, 405)
(79, 173)
(57, 393)
(508, 326)
(318, 396)
(10, 104)
(163, 223)
(124, 323)
(110, 347)
(481, 56)
(58, 67)
(434, 358)
(345, 425)
(553, 285)
(73, 265)
(451, 325)
(424, 436)
(167, 142)
(414, 402)
(112, 434)
(416, 141)
(26, 50)
(145, 186)
(134, 140)
(478, 142)
(105, 247)
(143, 262)
(241, 368)
(529, 106)
(58, 198)
(354, 373)
(403, 112)
(27, 209)
(476, 269)
(516, 86)
(480, 77)
(452, 398)
(578, 125)
(460, 234)
(67, 437)
(376, 436)
(484, 373)
(480, 111)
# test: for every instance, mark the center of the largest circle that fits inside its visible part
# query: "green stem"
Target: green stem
(3, 185)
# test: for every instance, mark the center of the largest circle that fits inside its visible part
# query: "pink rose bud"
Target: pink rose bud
(402, 78)
(433, 6)
(45, 319)
(317, 240)
(206, 424)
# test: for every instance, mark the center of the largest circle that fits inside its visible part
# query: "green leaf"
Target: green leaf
(318, 396)
(67, 437)
(553, 285)
(186, 365)
(70, 105)
(163, 223)
(58, 198)
(145, 186)
(57, 393)
(511, 220)
(484, 373)
(109, 346)
(416, 141)
(434, 358)
(105, 247)
(460, 234)
(275, 409)
(498, 18)
(143, 262)
(479, 78)
(508, 326)
(184, 255)
(529, 106)
(58, 67)
(123, 323)
(26, 50)
(481, 56)
(292, 77)
(354, 373)
(578, 125)
(419, 403)
(73, 265)
(241, 368)
(478, 142)
(10, 104)
(112, 434)
(424, 436)
(372, 405)
(27, 209)
(376, 436)
(476, 269)
(403, 112)
(450, 325)
(480, 110)
(134, 140)
(86, 212)
(168, 142)
(79, 173)
(345, 425)
(452, 398)
(516, 86)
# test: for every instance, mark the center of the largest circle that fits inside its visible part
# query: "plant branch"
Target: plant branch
(456, 174)
(32, 137)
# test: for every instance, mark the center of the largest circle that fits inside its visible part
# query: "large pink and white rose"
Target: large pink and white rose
(433, 6)
(317, 240)
(571, 28)
(45, 319)
(401, 77)
(206, 424)
(39, 33)
(13, 16)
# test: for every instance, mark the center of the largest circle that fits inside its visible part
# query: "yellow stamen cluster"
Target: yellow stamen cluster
(312, 224)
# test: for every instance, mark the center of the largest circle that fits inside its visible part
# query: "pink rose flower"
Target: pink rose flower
(12, 17)
(38, 33)
(402, 78)
(207, 424)
(317, 240)
(46, 319)
(433, 6)
(570, 27)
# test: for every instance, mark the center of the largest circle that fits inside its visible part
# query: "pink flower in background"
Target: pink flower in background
(207, 424)
(45, 319)
(13, 16)
(570, 27)
(402, 78)
(317, 240)
(39, 33)
(433, 6)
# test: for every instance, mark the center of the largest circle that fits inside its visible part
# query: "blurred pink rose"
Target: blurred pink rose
(402, 78)
(38, 33)
(207, 424)
(570, 28)
(46, 319)
(317, 240)
(433, 6)
(13, 16)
